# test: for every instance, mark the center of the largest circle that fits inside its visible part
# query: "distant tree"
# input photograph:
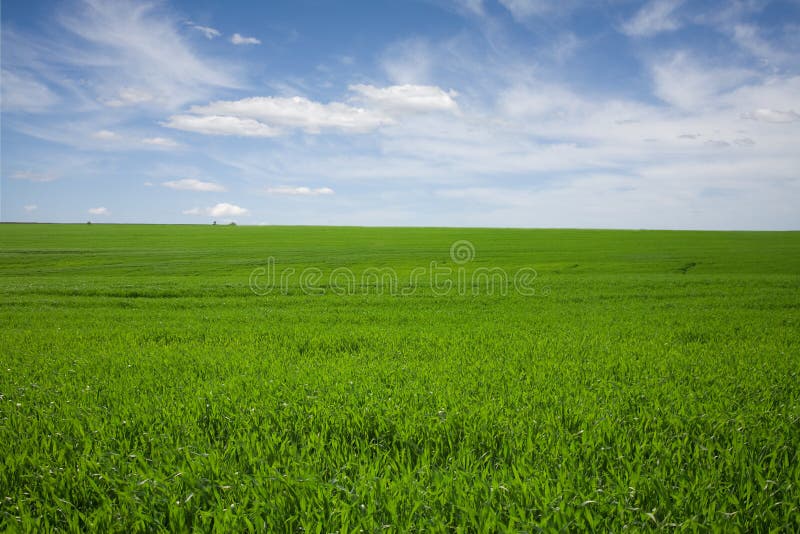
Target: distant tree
(231, 223)
(214, 223)
(88, 222)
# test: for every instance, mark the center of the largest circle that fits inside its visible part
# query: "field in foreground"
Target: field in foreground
(638, 380)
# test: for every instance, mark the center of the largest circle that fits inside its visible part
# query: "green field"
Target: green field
(642, 379)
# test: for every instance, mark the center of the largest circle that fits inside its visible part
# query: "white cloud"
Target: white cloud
(294, 112)
(99, 211)
(523, 9)
(238, 39)
(540, 100)
(129, 53)
(299, 191)
(565, 46)
(30, 207)
(163, 142)
(749, 38)
(191, 184)
(684, 83)
(520, 10)
(220, 125)
(766, 93)
(219, 210)
(474, 7)
(128, 141)
(655, 17)
(208, 32)
(407, 97)
(105, 135)
(772, 115)
(21, 92)
(268, 116)
(128, 96)
(33, 176)
(409, 61)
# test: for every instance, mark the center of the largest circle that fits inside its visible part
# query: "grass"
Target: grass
(651, 381)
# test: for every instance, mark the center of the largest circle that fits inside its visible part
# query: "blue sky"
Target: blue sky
(506, 113)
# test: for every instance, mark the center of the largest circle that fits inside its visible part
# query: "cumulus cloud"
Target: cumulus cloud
(222, 209)
(772, 115)
(227, 210)
(299, 191)
(267, 116)
(407, 97)
(220, 125)
(33, 176)
(238, 39)
(655, 17)
(99, 211)
(293, 112)
(191, 184)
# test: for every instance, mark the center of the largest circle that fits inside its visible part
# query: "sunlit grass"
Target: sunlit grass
(144, 387)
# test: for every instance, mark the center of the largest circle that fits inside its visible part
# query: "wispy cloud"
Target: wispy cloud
(33, 176)
(523, 9)
(409, 61)
(207, 31)
(22, 92)
(777, 53)
(772, 115)
(30, 207)
(163, 142)
(474, 7)
(127, 96)
(655, 17)
(238, 39)
(105, 135)
(685, 83)
(99, 211)
(128, 54)
(299, 191)
(118, 140)
(191, 184)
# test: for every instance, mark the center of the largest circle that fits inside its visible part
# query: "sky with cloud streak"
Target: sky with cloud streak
(508, 113)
